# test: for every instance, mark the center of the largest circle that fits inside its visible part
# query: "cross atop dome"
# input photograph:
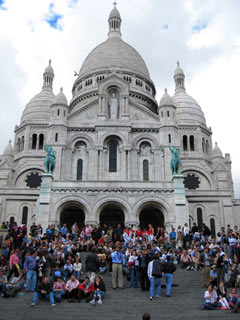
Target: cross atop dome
(114, 3)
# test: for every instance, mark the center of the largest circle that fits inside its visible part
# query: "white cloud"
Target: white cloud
(209, 56)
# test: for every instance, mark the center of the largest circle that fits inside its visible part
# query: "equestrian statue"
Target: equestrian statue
(175, 161)
(50, 159)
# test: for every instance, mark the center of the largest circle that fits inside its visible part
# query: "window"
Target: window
(113, 157)
(56, 137)
(203, 144)
(145, 170)
(162, 114)
(79, 169)
(192, 147)
(168, 114)
(199, 218)
(213, 229)
(18, 144)
(25, 215)
(185, 143)
(169, 139)
(41, 141)
(207, 147)
(34, 141)
(22, 144)
(11, 222)
(58, 112)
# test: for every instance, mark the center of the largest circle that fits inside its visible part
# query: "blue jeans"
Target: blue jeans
(31, 274)
(2, 287)
(210, 306)
(231, 251)
(134, 275)
(155, 282)
(100, 294)
(47, 296)
(77, 274)
(168, 278)
(58, 294)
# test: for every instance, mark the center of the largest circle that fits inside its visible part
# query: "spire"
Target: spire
(179, 78)
(114, 22)
(48, 76)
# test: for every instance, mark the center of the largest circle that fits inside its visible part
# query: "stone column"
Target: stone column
(43, 202)
(181, 204)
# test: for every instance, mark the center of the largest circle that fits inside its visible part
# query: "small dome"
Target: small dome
(38, 107)
(166, 100)
(60, 98)
(217, 152)
(8, 151)
(49, 68)
(178, 71)
(188, 110)
(114, 13)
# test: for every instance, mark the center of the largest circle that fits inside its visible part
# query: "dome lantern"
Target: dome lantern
(114, 22)
(179, 78)
(48, 76)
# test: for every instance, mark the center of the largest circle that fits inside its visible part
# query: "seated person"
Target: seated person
(56, 273)
(99, 290)
(211, 299)
(77, 266)
(3, 282)
(85, 289)
(15, 285)
(213, 276)
(68, 268)
(222, 296)
(71, 289)
(185, 260)
(58, 289)
(103, 264)
(234, 302)
(44, 292)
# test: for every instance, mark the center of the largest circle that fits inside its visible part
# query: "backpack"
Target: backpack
(157, 269)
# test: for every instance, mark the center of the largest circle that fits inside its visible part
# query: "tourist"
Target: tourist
(77, 266)
(146, 316)
(85, 290)
(185, 260)
(68, 269)
(144, 260)
(117, 262)
(213, 276)
(58, 289)
(234, 302)
(205, 262)
(222, 295)
(133, 265)
(92, 264)
(14, 264)
(30, 266)
(99, 291)
(3, 282)
(44, 292)
(168, 269)
(155, 269)
(211, 299)
(71, 289)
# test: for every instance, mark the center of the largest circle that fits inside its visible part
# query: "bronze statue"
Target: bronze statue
(175, 161)
(49, 161)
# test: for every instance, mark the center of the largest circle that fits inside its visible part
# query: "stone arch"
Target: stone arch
(145, 137)
(59, 205)
(26, 169)
(84, 137)
(116, 200)
(154, 201)
(201, 171)
(112, 134)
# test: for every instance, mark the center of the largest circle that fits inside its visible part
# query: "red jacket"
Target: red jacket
(82, 287)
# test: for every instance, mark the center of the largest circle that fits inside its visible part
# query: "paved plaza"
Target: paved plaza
(127, 304)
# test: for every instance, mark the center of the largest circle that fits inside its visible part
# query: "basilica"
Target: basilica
(113, 146)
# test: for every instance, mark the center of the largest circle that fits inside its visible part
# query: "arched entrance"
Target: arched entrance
(72, 212)
(112, 214)
(153, 215)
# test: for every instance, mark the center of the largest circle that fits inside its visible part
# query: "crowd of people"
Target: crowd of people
(49, 265)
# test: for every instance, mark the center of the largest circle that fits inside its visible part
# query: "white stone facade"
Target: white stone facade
(115, 154)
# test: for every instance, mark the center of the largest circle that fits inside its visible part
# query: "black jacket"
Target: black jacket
(92, 263)
(44, 286)
(169, 267)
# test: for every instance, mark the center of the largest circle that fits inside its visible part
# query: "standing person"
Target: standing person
(13, 264)
(118, 233)
(30, 266)
(117, 261)
(220, 267)
(172, 238)
(144, 260)
(205, 262)
(186, 236)
(155, 269)
(168, 268)
(92, 264)
(44, 292)
(133, 264)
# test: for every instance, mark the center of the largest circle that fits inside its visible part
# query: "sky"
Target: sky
(204, 35)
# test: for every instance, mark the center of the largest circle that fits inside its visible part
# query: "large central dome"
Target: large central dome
(114, 53)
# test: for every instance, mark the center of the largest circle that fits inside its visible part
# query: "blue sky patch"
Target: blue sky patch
(165, 27)
(53, 18)
(199, 27)
(2, 5)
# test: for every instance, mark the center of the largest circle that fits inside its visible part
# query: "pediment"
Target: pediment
(140, 112)
(220, 167)
(84, 113)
